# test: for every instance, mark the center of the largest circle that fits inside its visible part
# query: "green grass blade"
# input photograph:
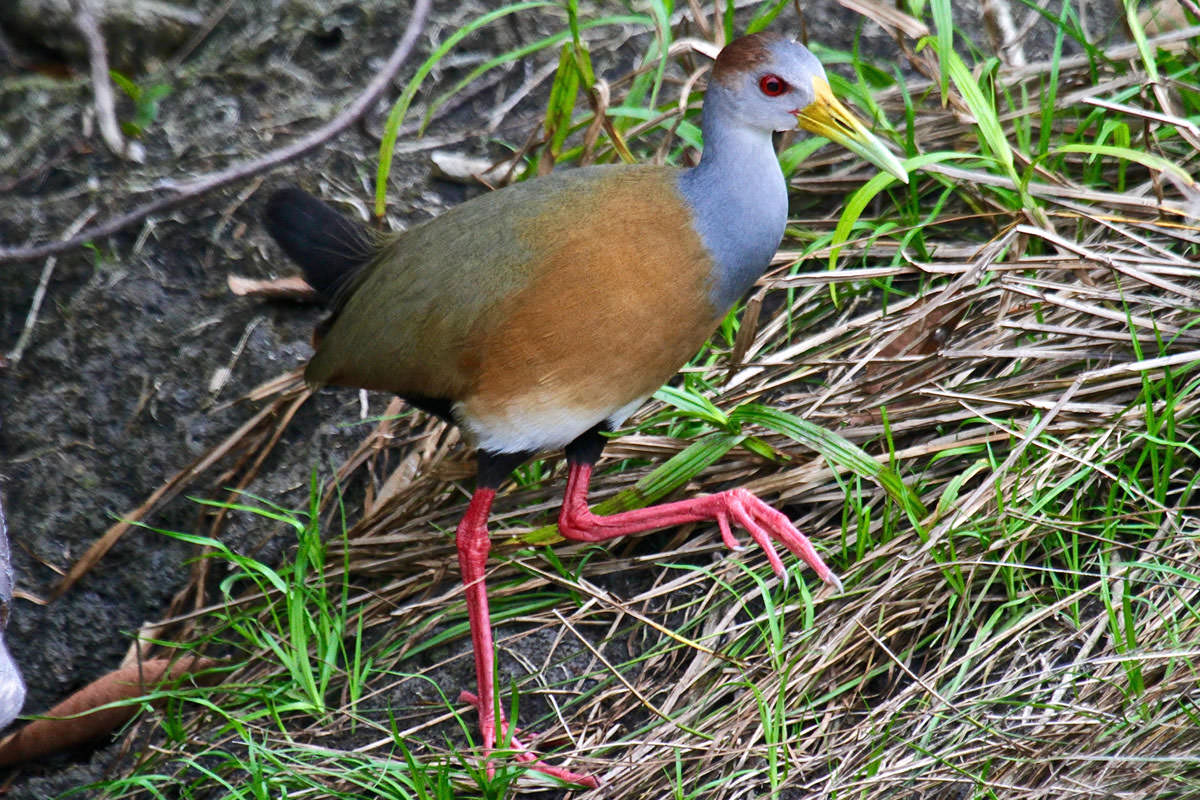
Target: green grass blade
(1142, 157)
(984, 111)
(836, 449)
(943, 23)
(693, 404)
(391, 128)
(862, 197)
(1139, 37)
(765, 15)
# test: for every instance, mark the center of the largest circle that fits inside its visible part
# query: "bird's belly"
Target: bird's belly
(533, 425)
(524, 402)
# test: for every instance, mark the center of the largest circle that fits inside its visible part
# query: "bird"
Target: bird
(540, 316)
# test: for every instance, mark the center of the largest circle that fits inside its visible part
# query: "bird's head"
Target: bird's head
(773, 83)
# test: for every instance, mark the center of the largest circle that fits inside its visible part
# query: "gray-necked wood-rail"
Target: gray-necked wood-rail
(541, 315)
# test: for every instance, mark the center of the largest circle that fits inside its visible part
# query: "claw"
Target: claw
(744, 513)
(835, 583)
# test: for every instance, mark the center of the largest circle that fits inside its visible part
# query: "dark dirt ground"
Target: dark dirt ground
(112, 394)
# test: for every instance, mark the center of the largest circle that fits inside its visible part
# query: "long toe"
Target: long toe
(742, 507)
(766, 523)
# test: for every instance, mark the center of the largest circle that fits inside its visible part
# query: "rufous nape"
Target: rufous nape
(540, 316)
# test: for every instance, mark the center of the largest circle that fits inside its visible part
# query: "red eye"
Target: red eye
(772, 85)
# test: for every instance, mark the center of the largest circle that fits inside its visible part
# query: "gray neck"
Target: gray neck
(738, 196)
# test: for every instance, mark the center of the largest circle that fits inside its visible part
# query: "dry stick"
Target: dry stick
(39, 294)
(106, 112)
(183, 192)
(162, 494)
(293, 287)
(998, 23)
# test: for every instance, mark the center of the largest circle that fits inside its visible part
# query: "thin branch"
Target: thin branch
(182, 192)
(39, 294)
(106, 109)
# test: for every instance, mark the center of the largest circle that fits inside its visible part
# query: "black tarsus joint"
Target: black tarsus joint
(440, 407)
(495, 467)
(588, 446)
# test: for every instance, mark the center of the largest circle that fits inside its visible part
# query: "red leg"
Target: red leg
(763, 523)
(473, 546)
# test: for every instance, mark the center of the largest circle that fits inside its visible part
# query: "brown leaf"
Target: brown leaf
(290, 288)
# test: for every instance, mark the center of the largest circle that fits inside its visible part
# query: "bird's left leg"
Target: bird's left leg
(473, 545)
(522, 753)
(576, 521)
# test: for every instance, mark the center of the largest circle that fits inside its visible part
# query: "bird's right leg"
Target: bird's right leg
(577, 522)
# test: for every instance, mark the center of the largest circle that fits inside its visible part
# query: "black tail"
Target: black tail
(329, 247)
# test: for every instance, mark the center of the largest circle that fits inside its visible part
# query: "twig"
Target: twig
(106, 111)
(182, 192)
(39, 294)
